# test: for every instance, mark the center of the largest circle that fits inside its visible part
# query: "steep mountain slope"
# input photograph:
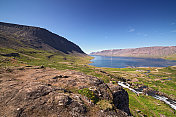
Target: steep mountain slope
(16, 36)
(158, 51)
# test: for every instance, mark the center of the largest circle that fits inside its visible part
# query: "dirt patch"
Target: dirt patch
(36, 91)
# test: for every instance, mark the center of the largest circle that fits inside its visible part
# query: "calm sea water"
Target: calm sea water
(122, 62)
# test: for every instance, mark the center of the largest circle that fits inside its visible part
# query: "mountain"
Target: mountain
(158, 51)
(42, 76)
(16, 36)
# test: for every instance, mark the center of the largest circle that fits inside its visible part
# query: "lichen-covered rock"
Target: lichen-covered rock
(37, 92)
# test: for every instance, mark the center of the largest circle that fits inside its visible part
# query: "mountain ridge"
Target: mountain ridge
(15, 36)
(155, 51)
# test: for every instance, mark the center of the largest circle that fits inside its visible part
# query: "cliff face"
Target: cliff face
(15, 36)
(160, 51)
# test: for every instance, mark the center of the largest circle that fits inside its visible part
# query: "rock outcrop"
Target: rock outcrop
(16, 36)
(46, 92)
(120, 98)
(158, 51)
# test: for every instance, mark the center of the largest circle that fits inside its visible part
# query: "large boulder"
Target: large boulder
(120, 98)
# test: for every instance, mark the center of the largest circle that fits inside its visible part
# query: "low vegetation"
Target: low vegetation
(171, 57)
(162, 80)
(90, 94)
(148, 106)
(104, 104)
(158, 79)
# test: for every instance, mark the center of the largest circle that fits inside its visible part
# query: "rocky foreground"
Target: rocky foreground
(46, 92)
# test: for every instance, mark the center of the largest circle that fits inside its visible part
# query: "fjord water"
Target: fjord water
(123, 62)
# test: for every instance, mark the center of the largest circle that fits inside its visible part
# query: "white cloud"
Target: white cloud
(131, 30)
(173, 31)
(173, 23)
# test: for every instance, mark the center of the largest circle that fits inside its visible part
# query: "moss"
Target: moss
(104, 104)
(113, 82)
(90, 94)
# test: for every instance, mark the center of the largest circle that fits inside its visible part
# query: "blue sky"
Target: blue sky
(97, 25)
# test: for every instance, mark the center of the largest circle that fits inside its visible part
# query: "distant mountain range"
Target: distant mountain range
(158, 51)
(21, 36)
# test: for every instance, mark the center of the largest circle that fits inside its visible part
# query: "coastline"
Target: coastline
(136, 57)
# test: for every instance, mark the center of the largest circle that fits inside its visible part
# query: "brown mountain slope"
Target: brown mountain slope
(158, 51)
(16, 36)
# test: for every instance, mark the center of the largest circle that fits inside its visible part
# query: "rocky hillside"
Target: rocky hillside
(158, 51)
(63, 86)
(46, 92)
(16, 36)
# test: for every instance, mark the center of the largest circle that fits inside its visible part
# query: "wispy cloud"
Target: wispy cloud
(173, 31)
(142, 34)
(173, 23)
(131, 30)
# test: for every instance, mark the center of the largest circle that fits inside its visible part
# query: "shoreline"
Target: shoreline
(136, 57)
